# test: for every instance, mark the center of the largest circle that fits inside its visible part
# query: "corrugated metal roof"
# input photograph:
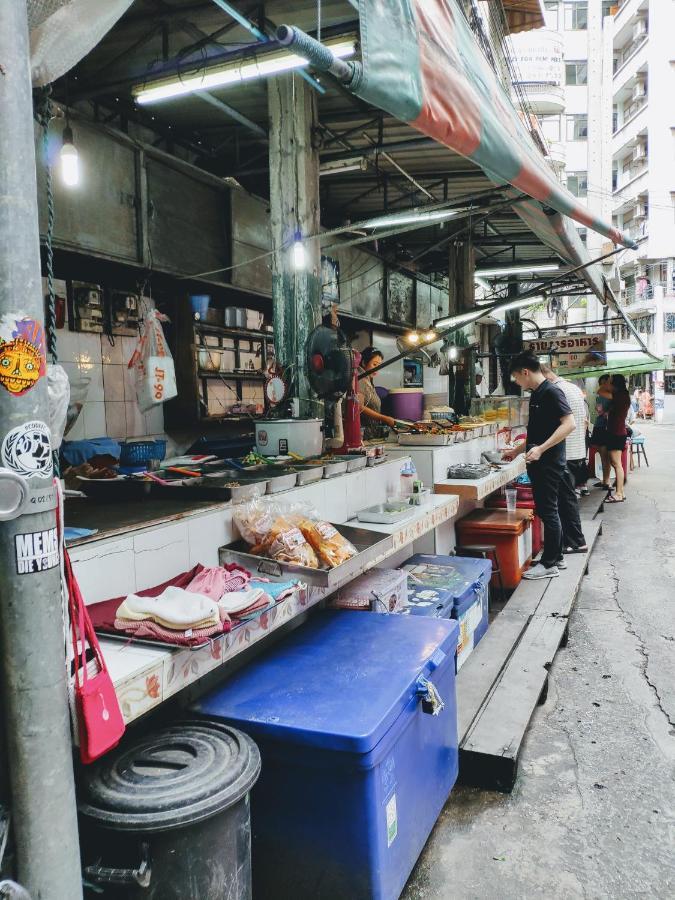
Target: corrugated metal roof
(523, 15)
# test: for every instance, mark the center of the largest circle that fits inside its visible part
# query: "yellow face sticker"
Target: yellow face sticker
(20, 364)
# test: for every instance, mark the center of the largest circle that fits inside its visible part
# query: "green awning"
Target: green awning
(633, 366)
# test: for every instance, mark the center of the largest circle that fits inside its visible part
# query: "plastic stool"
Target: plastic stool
(637, 446)
(485, 551)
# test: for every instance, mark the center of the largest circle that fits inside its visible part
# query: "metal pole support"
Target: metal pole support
(32, 643)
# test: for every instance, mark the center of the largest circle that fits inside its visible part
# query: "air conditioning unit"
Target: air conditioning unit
(639, 90)
(640, 152)
(639, 29)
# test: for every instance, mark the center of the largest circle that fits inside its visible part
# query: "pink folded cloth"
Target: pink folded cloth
(148, 629)
(218, 580)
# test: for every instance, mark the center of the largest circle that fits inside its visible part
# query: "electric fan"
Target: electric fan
(332, 369)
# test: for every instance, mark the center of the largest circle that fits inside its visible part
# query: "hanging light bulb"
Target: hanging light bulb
(70, 159)
(299, 257)
(453, 354)
(412, 338)
(430, 335)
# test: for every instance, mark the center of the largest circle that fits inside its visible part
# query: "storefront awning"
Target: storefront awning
(632, 366)
(522, 15)
(422, 64)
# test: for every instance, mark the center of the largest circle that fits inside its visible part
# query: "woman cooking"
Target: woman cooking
(369, 401)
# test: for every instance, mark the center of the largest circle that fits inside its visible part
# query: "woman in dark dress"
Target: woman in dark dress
(617, 434)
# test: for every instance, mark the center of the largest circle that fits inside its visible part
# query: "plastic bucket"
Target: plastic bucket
(166, 816)
(200, 305)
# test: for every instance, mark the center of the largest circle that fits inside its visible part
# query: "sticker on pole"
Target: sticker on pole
(22, 354)
(27, 450)
(36, 551)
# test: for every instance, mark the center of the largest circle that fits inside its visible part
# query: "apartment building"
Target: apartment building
(565, 76)
(643, 170)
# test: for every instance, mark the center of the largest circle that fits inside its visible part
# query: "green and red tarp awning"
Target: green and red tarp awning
(422, 64)
(634, 365)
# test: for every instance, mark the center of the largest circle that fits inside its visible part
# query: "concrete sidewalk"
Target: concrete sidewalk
(593, 812)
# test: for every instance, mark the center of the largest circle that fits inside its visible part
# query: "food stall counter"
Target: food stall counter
(478, 488)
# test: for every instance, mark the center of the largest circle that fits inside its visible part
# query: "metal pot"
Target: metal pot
(209, 360)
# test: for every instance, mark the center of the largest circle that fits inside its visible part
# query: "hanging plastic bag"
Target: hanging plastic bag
(58, 391)
(153, 364)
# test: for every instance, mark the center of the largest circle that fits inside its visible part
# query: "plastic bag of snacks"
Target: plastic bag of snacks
(291, 533)
(266, 526)
(331, 547)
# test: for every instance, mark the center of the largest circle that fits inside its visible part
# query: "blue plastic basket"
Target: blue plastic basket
(139, 453)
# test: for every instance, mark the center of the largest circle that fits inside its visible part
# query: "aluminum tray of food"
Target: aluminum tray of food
(308, 473)
(386, 513)
(377, 460)
(333, 467)
(229, 485)
(407, 439)
(278, 478)
(120, 488)
(371, 545)
(357, 461)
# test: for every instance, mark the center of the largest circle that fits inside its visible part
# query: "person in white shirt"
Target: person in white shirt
(575, 451)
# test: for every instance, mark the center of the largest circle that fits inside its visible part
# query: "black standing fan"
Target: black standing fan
(330, 362)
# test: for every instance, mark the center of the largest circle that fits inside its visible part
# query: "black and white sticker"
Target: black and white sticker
(27, 450)
(36, 551)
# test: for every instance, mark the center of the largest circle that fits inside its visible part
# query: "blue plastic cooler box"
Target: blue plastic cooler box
(461, 585)
(356, 767)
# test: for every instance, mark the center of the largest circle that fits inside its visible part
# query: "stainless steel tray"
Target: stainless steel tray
(370, 544)
(309, 474)
(377, 460)
(331, 469)
(385, 513)
(278, 478)
(354, 463)
(216, 487)
(426, 440)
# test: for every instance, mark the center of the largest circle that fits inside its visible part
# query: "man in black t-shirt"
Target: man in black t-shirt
(550, 422)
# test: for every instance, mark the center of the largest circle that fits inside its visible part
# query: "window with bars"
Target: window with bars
(576, 73)
(576, 15)
(669, 323)
(577, 183)
(577, 127)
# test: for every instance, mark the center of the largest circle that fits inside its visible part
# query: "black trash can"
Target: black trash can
(167, 816)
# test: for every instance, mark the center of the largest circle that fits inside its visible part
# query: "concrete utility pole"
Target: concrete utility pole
(37, 731)
(294, 202)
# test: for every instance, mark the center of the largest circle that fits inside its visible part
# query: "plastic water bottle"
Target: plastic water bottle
(408, 475)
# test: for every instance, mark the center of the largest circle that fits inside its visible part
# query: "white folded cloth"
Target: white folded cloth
(235, 601)
(174, 608)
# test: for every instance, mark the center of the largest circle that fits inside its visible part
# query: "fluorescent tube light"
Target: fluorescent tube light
(518, 304)
(217, 76)
(411, 219)
(455, 320)
(517, 270)
(338, 166)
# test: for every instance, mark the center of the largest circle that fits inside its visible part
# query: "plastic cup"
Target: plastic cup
(511, 499)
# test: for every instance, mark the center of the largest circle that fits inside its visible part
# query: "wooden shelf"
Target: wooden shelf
(226, 331)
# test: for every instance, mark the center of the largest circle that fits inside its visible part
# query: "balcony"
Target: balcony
(631, 183)
(557, 155)
(544, 97)
(632, 129)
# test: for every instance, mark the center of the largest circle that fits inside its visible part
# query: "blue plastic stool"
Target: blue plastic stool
(637, 446)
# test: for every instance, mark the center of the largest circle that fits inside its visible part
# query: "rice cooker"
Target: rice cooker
(277, 437)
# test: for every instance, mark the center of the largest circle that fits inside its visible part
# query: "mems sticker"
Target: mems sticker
(36, 551)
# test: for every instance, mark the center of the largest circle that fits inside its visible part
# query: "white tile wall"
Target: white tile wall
(165, 550)
(110, 407)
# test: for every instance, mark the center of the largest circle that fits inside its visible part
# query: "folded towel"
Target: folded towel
(175, 608)
(278, 590)
(188, 638)
(236, 601)
(215, 581)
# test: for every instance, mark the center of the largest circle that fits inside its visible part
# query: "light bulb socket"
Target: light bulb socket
(67, 137)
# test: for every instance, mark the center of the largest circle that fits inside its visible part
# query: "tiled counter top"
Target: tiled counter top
(479, 488)
(144, 677)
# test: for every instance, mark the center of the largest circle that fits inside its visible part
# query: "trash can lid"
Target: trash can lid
(182, 774)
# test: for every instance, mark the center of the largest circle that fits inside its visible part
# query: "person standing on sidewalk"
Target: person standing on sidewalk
(575, 469)
(550, 422)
